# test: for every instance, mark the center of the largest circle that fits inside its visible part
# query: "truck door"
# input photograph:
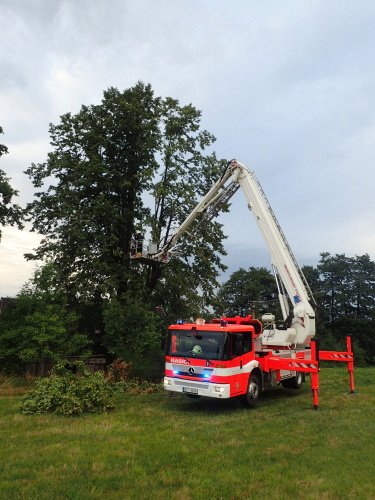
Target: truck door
(240, 347)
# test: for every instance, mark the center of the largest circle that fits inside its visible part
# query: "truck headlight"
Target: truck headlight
(219, 389)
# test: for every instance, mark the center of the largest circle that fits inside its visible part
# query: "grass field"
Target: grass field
(163, 447)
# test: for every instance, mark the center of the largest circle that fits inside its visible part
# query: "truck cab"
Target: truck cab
(212, 359)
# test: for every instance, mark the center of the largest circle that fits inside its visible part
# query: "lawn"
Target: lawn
(170, 447)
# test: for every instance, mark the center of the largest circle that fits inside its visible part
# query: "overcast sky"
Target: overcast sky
(287, 87)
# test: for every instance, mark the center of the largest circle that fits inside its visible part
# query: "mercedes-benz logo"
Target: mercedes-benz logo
(191, 370)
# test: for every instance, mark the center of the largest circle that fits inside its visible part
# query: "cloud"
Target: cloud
(15, 271)
(286, 87)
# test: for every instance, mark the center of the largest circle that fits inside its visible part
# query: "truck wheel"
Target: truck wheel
(293, 382)
(252, 395)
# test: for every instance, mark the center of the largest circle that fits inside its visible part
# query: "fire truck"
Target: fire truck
(242, 356)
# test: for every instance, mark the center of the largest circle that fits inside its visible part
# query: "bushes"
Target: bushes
(71, 389)
(32, 330)
(133, 333)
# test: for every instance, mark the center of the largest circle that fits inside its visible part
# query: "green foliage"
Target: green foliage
(107, 160)
(10, 213)
(69, 394)
(130, 328)
(32, 330)
(346, 286)
(132, 331)
(345, 291)
(46, 285)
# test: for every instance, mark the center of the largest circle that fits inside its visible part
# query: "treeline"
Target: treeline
(41, 324)
(137, 164)
(344, 290)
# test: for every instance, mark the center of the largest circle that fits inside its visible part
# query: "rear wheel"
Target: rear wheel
(293, 382)
(252, 395)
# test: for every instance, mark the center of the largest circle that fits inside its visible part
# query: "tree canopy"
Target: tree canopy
(135, 163)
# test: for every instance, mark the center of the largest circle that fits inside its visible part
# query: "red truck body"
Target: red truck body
(225, 359)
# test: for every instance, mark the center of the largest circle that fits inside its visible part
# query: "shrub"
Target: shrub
(31, 330)
(70, 389)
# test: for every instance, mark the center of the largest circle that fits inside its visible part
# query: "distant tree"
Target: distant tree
(336, 278)
(347, 295)
(10, 213)
(347, 286)
(252, 290)
(363, 287)
(312, 276)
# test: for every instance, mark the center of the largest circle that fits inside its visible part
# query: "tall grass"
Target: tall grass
(170, 447)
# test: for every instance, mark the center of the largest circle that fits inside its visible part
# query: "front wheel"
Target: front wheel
(252, 395)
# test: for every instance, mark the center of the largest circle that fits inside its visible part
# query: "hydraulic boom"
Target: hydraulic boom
(299, 323)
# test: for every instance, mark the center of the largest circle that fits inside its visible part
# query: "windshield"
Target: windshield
(196, 344)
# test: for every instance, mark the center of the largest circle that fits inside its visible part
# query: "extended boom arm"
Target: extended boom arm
(288, 275)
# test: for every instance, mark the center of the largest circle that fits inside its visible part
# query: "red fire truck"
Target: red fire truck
(242, 356)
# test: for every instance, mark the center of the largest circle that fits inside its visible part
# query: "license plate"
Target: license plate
(190, 390)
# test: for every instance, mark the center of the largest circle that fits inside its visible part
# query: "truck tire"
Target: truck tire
(252, 395)
(293, 382)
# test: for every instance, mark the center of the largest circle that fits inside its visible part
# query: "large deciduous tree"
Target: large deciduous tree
(133, 163)
(10, 213)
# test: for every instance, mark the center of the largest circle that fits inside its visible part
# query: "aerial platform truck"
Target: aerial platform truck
(242, 356)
